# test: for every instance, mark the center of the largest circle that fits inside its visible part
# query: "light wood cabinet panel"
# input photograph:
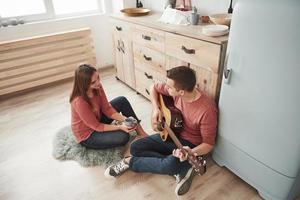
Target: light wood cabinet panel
(150, 57)
(123, 52)
(146, 77)
(118, 54)
(148, 37)
(128, 66)
(147, 72)
(207, 81)
(172, 62)
(197, 52)
(143, 83)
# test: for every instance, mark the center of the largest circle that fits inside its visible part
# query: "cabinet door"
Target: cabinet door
(206, 81)
(128, 66)
(123, 52)
(118, 55)
(172, 62)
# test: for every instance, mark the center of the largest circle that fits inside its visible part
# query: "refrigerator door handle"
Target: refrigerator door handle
(227, 74)
(227, 71)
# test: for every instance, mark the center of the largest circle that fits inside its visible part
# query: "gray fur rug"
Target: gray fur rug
(66, 148)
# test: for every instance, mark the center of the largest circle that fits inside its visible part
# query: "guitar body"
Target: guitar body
(172, 116)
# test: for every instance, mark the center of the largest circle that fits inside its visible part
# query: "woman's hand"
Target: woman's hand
(126, 129)
(156, 117)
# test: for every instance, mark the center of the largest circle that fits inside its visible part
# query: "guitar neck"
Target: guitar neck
(173, 137)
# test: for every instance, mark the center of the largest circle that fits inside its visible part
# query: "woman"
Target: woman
(92, 114)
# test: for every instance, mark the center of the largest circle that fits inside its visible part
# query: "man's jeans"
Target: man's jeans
(152, 154)
(110, 139)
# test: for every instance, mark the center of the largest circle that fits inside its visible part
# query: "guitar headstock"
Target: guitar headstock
(199, 164)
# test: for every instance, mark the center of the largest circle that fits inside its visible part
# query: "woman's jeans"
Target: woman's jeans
(110, 139)
(152, 154)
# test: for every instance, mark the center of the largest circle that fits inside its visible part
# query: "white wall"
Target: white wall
(98, 23)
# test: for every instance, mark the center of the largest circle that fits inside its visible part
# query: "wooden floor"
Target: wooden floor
(28, 123)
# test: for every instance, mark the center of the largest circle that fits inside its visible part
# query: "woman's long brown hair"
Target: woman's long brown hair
(82, 81)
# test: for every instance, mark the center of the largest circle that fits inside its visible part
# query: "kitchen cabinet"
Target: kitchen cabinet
(158, 47)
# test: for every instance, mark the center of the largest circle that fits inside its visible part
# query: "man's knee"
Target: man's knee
(172, 166)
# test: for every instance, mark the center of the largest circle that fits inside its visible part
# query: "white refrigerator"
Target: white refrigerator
(259, 123)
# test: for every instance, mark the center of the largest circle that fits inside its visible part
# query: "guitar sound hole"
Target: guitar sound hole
(160, 126)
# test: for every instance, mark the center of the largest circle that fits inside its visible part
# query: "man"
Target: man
(151, 154)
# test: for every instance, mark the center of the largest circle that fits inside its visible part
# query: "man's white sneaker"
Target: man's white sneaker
(185, 183)
(116, 169)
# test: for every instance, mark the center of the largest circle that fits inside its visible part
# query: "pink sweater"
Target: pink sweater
(199, 117)
(84, 119)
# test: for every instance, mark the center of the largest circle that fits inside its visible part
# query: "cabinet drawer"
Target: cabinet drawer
(144, 90)
(142, 84)
(149, 57)
(148, 72)
(120, 27)
(144, 79)
(148, 37)
(193, 51)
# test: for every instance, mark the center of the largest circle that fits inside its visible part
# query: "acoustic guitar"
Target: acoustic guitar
(172, 121)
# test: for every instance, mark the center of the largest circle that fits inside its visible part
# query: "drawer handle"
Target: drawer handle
(119, 28)
(148, 76)
(147, 91)
(147, 58)
(123, 47)
(188, 51)
(146, 37)
(118, 47)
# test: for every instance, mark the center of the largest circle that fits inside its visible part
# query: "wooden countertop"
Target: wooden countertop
(151, 20)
